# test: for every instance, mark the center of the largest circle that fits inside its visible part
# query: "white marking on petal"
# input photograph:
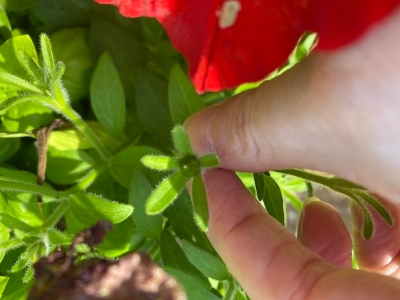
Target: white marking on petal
(229, 13)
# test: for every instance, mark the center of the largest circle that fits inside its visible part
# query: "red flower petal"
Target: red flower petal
(229, 42)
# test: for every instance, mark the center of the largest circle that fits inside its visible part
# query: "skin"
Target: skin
(336, 112)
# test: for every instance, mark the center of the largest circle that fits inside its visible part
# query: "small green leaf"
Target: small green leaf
(89, 209)
(31, 66)
(273, 200)
(59, 238)
(18, 83)
(140, 190)
(107, 97)
(166, 192)
(160, 163)
(209, 161)
(183, 98)
(259, 184)
(23, 260)
(152, 105)
(206, 262)
(194, 289)
(368, 225)
(200, 204)
(376, 205)
(29, 274)
(9, 53)
(11, 244)
(47, 56)
(181, 141)
(14, 223)
(173, 256)
(3, 283)
(26, 237)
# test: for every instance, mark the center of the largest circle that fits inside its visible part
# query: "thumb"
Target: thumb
(279, 125)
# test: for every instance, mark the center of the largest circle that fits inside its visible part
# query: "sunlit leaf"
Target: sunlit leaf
(166, 192)
(89, 209)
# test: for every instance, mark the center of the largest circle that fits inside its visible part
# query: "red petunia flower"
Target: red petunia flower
(229, 42)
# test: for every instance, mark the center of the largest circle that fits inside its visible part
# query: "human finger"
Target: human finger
(322, 230)
(268, 261)
(381, 253)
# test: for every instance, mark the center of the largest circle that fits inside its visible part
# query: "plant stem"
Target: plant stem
(56, 215)
(76, 119)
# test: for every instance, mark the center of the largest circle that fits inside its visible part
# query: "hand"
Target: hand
(335, 112)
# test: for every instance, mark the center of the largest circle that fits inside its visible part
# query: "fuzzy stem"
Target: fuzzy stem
(56, 215)
(76, 119)
(26, 187)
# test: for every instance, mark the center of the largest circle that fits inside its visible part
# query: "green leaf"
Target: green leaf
(11, 244)
(24, 117)
(152, 105)
(180, 216)
(47, 56)
(14, 223)
(381, 210)
(173, 256)
(62, 13)
(181, 141)
(207, 263)
(77, 57)
(140, 190)
(368, 225)
(67, 167)
(160, 163)
(295, 201)
(209, 161)
(5, 26)
(200, 204)
(29, 274)
(18, 83)
(260, 185)
(13, 5)
(194, 289)
(273, 200)
(124, 48)
(89, 209)
(183, 98)
(9, 62)
(125, 162)
(3, 283)
(23, 260)
(59, 238)
(166, 192)
(107, 97)
(73, 139)
(31, 67)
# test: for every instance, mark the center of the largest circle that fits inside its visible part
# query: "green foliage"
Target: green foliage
(107, 97)
(121, 90)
